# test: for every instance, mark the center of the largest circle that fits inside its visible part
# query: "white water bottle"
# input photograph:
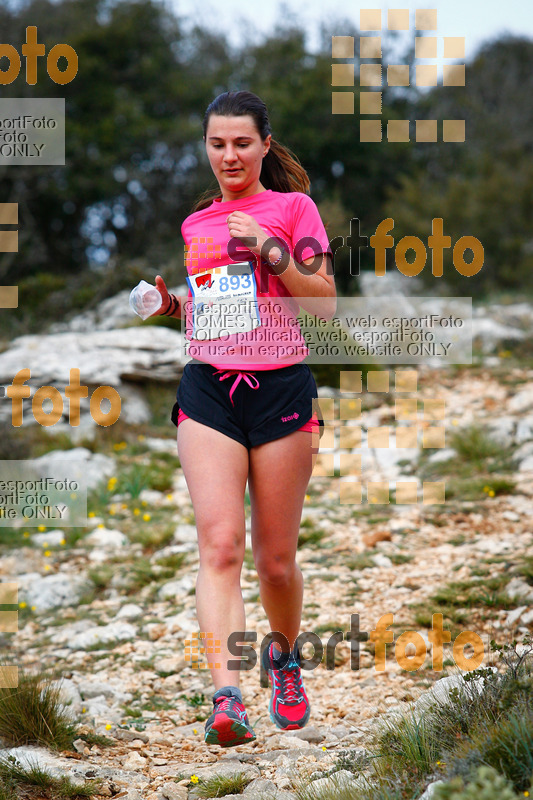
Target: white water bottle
(145, 300)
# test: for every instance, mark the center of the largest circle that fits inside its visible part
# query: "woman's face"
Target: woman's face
(235, 151)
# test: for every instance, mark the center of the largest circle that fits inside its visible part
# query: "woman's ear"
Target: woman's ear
(266, 144)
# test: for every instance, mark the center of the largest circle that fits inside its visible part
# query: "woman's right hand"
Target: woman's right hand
(162, 289)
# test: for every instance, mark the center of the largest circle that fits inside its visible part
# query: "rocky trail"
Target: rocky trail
(122, 656)
(110, 607)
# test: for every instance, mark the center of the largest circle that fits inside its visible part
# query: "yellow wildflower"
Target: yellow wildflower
(47, 553)
(194, 779)
(41, 528)
(22, 604)
(147, 517)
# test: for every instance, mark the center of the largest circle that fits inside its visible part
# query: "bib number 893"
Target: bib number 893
(235, 282)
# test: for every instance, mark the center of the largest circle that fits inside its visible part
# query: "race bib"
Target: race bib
(224, 301)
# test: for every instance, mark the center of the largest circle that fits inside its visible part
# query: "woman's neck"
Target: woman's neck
(249, 192)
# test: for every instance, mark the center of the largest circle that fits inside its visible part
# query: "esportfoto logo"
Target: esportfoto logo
(371, 77)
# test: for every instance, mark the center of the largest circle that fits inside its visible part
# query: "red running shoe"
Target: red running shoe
(228, 725)
(289, 706)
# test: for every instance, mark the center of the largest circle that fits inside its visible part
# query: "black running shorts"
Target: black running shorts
(281, 404)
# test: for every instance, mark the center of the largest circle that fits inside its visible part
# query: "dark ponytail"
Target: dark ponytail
(281, 170)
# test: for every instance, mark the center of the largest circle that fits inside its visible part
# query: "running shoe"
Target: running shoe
(228, 725)
(289, 707)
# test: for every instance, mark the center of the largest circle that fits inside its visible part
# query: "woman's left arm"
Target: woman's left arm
(312, 278)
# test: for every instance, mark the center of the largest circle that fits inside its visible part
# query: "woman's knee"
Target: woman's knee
(221, 548)
(277, 571)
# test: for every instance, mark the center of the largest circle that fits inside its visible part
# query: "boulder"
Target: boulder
(51, 591)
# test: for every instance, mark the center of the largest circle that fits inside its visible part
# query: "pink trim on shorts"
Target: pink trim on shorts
(311, 425)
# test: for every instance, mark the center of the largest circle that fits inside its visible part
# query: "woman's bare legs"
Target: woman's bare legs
(279, 474)
(216, 468)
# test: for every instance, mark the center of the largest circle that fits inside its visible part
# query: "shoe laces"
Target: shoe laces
(225, 702)
(290, 680)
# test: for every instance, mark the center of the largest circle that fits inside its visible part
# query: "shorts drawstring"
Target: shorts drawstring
(240, 374)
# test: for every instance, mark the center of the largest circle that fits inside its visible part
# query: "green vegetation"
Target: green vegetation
(143, 573)
(200, 706)
(463, 602)
(220, 785)
(18, 781)
(359, 561)
(525, 569)
(310, 536)
(457, 598)
(401, 558)
(482, 468)
(195, 700)
(473, 444)
(328, 627)
(479, 739)
(101, 576)
(486, 785)
(154, 536)
(174, 561)
(32, 713)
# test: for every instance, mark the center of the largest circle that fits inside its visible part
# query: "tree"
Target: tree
(131, 126)
(484, 186)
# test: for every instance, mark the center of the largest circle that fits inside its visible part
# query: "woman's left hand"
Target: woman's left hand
(244, 227)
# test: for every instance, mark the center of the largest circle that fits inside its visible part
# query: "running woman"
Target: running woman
(248, 417)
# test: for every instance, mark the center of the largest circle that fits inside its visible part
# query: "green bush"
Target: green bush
(33, 714)
(488, 785)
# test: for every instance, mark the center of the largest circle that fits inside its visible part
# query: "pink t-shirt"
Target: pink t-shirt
(292, 218)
